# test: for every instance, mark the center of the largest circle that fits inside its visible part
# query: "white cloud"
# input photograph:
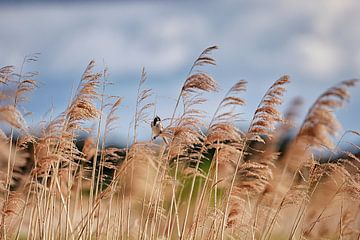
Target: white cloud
(163, 37)
(125, 36)
(120, 52)
(317, 57)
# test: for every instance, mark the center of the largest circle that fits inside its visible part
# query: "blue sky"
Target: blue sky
(315, 42)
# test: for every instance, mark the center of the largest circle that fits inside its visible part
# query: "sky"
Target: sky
(315, 42)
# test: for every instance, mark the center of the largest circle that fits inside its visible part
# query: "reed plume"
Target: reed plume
(222, 127)
(142, 103)
(186, 130)
(57, 141)
(266, 115)
(320, 124)
(252, 177)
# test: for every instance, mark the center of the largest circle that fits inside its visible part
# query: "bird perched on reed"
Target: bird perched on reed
(157, 128)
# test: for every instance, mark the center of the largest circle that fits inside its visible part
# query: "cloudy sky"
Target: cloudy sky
(315, 42)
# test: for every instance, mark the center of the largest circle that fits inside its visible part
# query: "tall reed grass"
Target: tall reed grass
(211, 181)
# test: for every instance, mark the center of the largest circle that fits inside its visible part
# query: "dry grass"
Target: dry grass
(210, 181)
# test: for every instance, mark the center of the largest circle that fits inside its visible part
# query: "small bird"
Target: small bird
(157, 128)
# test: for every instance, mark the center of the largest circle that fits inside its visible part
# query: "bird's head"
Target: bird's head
(156, 119)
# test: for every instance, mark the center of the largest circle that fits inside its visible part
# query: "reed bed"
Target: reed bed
(211, 180)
